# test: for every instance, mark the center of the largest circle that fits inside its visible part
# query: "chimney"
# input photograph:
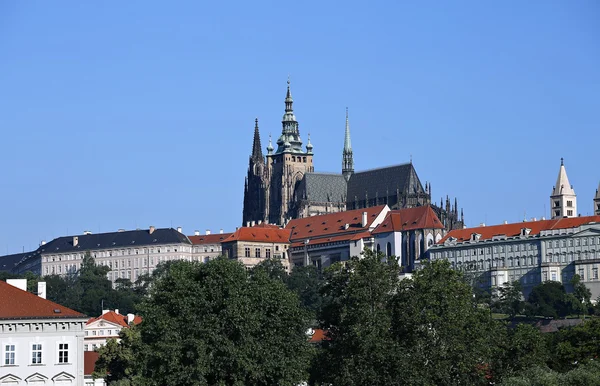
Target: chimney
(543, 218)
(130, 318)
(482, 224)
(196, 233)
(43, 243)
(533, 219)
(75, 241)
(42, 289)
(252, 223)
(364, 219)
(247, 224)
(180, 230)
(19, 283)
(105, 311)
(208, 231)
(505, 222)
(221, 231)
(117, 311)
(346, 226)
(152, 229)
(121, 230)
(87, 233)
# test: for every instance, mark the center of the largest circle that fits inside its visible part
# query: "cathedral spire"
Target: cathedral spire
(288, 98)
(347, 157)
(289, 141)
(256, 148)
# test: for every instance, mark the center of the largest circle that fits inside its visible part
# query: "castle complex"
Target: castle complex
(284, 186)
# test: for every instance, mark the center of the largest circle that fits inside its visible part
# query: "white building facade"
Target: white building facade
(41, 342)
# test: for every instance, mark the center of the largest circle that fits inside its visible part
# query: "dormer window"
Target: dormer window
(475, 237)
(525, 232)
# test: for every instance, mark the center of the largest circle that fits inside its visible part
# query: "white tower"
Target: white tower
(563, 201)
(597, 202)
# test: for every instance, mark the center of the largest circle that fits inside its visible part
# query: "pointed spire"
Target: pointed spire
(598, 192)
(256, 147)
(562, 182)
(288, 98)
(309, 146)
(347, 143)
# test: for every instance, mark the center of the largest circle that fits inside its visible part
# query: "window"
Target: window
(268, 253)
(63, 353)
(247, 252)
(36, 354)
(581, 273)
(570, 203)
(9, 354)
(256, 252)
(594, 273)
(277, 248)
(569, 212)
(556, 204)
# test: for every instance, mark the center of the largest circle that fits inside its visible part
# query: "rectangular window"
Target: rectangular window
(569, 203)
(63, 353)
(594, 273)
(256, 252)
(268, 253)
(36, 354)
(581, 273)
(247, 252)
(9, 354)
(569, 212)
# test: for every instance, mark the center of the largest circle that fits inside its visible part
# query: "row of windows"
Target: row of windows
(122, 252)
(37, 357)
(577, 241)
(257, 252)
(108, 332)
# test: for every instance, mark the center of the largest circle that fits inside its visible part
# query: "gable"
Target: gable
(102, 323)
(36, 379)
(10, 380)
(63, 378)
(588, 232)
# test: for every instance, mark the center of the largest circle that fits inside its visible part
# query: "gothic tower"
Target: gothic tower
(286, 167)
(347, 159)
(597, 201)
(563, 201)
(254, 188)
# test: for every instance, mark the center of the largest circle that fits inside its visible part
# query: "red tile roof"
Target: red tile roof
(89, 362)
(115, 318)
(332, 239)
(260, 234)
(319, 336)
(209, 239)
(332, 224)
(511, 230)
(18, 304)
(421, 217)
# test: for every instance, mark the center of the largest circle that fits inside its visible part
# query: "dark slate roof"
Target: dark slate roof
(8, 262)
(323, 187)
(126, 239)
(382, 182)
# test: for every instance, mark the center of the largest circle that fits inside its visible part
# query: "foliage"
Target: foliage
(360, 349)
(524, 347)
(575, 345)
(582, 295)
(306, 282)
(217, 324)
(549, 299)
(510, 299)
(584, 375)
(117, 360)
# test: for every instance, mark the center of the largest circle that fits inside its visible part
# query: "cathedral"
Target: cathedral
(283, 184)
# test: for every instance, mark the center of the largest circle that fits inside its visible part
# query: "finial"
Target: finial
(256, 122)
(562, 161)
(346, 112)
(288, 81)
(411, 159)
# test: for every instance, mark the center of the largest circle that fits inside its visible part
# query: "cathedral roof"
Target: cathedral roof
(382, 182)
(421, 217)
(323, 187)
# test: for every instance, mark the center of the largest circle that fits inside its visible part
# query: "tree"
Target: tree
(360, 348)
(218, 324)
(576, 345)
(583, 294)
(117, 361)
(306, 282)
(511, 298)
(549, 299)
(444, 336)
(524, 348)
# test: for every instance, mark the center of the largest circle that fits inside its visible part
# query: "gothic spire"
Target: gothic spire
(562, 182)
(289, 141)
(347, 157)
(256, 148)
(270, 146)
(288, 98)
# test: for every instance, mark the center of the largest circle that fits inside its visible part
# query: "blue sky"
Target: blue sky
(136, 113)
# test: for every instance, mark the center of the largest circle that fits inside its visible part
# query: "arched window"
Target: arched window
(389, 249)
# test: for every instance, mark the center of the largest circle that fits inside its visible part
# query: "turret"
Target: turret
(597, 201)
(563, 201)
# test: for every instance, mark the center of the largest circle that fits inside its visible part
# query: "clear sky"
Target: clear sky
(135, 113)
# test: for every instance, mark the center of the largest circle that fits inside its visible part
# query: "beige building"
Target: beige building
(253, 245)
(208, 246)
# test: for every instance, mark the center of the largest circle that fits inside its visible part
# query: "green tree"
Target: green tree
(117, 361)
(511, 298)
(360, 349)
(218, 324)
(576, 345)
(445, 338)
(525, 347)
(583, 294)
(306, 282)
(549, 299)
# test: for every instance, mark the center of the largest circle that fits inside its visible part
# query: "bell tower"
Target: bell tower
(563, 201)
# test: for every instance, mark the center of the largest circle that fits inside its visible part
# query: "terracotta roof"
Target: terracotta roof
(18, 304)
(332, 224)
(319, 336)
(115, 318)
(260, 234)
(511, 230)
(332, 239)
(209, 239)
(89, 361)
(421, 217)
